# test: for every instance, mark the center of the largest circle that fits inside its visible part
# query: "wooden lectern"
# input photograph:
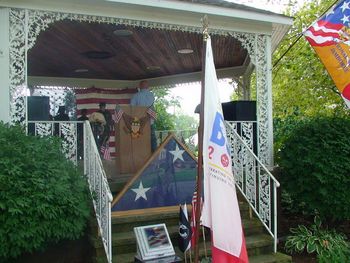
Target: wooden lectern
(132, 139)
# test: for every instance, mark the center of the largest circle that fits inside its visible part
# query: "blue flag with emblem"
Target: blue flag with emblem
(168, 179)
(185, 231)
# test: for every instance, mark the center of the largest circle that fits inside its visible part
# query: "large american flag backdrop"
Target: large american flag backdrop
(90, 98)
(168, 179)
(330, 38)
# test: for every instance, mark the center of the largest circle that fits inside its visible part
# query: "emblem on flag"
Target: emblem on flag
(185, 232)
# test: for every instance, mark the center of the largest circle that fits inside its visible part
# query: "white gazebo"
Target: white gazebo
(117, 43)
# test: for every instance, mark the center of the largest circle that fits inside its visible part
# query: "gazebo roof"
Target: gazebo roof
(71, 50)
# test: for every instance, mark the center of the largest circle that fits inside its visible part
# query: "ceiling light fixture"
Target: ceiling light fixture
(81, 70)
(185, 51)
(153, 68)
(122, 32)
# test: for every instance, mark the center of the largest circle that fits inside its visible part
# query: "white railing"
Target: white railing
(78, 144)
(67, 131)
(99, 188)
(254, 180)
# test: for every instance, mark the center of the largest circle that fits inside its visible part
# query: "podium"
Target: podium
(132, 139)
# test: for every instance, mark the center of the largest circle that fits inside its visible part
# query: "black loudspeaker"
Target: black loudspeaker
(38, 108)
(241, 110)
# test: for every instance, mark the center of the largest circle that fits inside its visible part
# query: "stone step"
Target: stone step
(125, 243)
(143, 217)
(268, 258)
(250, 226)
(271, 258)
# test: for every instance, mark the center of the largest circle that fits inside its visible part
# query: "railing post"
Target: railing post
(275, 217)
(110, 232)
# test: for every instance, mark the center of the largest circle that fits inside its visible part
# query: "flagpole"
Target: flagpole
(200, 142)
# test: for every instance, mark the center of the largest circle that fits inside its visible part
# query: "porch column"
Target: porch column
(4, 65)
(269, 101)
(264, 99)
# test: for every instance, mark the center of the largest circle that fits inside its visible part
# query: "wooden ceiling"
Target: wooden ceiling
(62, 49)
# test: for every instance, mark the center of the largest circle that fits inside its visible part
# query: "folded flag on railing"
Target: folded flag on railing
(185, 232)
(106, 154)
(151, 112)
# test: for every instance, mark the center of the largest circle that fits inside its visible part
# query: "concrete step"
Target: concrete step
(268, 258)
(125, 243)
(126, 222)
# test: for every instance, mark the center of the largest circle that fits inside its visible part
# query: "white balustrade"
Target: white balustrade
(253, 179)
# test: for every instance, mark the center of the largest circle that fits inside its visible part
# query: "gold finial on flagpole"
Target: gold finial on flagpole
(205, 25)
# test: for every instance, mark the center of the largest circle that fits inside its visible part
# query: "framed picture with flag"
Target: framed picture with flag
(153, 241)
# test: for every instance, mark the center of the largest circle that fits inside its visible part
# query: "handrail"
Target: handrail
(252, 153)
(254, 181)
(99, 188)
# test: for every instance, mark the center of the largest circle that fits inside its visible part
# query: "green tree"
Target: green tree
(315, 167)
(185, 122)
(302, 86)
(165, 120)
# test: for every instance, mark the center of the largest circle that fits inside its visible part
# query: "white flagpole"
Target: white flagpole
(200, 141)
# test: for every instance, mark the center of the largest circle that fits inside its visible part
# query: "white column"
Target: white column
(269, 101)
(4, 65)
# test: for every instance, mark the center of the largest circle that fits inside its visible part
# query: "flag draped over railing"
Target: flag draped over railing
(330, 38)
(220, 208)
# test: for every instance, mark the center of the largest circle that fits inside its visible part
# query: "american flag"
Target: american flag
(168, 180)
(156, 236)
(105, 152)
(332, 28)
(193, 218)
(118, 114)
(330, 38)
(151, 112)
(89, 98)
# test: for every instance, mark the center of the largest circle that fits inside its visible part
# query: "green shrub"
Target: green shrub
(328, 245)
(43, 198)
(315, 167)
(283, 127)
